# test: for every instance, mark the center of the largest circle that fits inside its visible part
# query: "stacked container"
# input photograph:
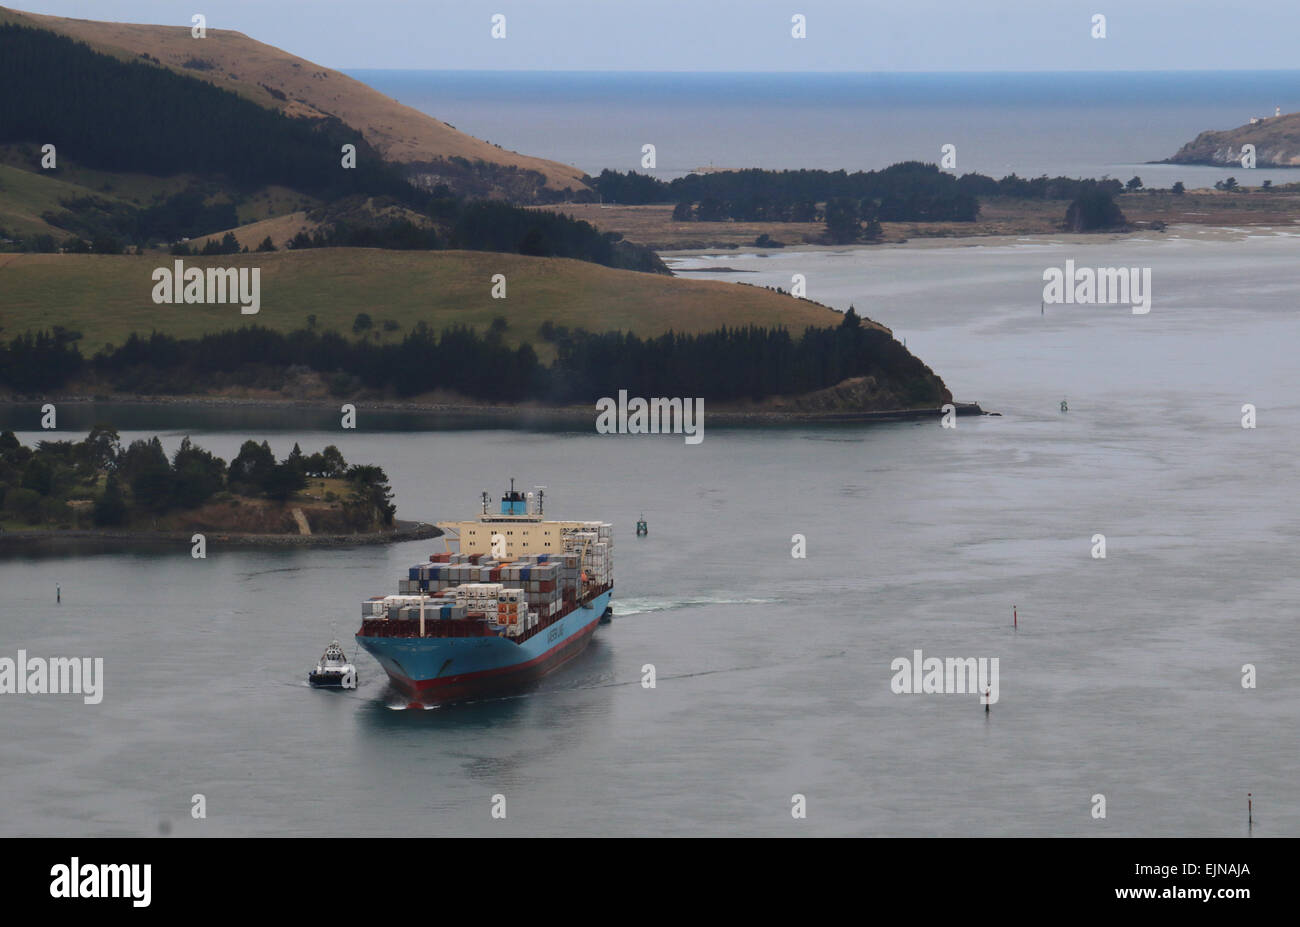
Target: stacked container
(594, 543)
(479, 597)
(603, 554)
(513, 595)
(541, 583)
(438, 576)
(512, 609)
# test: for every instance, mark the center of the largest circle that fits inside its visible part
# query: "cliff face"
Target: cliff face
(1276, 141)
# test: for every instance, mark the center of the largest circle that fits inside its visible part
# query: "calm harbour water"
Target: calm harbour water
(1123, 677)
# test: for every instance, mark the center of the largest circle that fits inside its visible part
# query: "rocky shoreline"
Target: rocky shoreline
(47, 539)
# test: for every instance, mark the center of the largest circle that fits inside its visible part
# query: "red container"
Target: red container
(495, 575)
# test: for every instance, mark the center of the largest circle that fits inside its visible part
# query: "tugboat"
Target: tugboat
(334, 670)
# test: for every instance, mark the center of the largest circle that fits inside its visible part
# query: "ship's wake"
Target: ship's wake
(626, 607)
(395, 701)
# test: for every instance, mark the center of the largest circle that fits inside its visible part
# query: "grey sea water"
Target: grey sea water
(1123, 678)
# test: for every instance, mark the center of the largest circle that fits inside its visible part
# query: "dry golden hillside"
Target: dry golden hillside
(277, 79)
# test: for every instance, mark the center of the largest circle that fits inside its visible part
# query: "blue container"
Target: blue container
(525, 572)
(413, 573)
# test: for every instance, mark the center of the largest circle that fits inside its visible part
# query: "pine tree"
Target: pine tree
(110, 508)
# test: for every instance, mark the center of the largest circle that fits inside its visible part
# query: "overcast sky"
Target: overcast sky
(744, 35)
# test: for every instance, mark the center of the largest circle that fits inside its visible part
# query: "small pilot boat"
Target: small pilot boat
(334, 670)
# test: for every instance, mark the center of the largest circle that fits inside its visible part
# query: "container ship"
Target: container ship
(519, 598)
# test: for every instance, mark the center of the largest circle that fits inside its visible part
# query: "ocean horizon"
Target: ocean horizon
(1069, 123)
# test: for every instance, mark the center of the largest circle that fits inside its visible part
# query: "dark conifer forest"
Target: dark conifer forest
(729, 364)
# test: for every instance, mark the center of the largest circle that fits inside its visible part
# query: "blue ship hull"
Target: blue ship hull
(436, 670)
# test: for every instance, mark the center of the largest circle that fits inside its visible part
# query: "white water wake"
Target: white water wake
(626, 607)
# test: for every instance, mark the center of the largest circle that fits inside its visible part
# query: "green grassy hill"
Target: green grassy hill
(25, 196)
(106, 297)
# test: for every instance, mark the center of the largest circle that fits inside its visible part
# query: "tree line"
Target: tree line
(486, 225)
(910, 191)
(744, 363)
(727, 364)
(37, 484)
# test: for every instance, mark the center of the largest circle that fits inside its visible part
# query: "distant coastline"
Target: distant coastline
(1155, 210)
(507, 416)
(50, 539)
